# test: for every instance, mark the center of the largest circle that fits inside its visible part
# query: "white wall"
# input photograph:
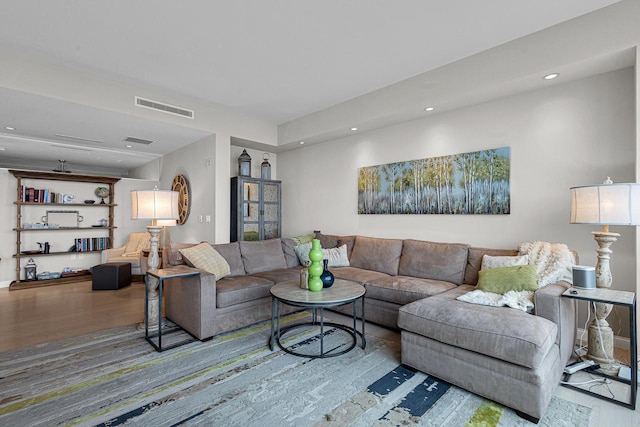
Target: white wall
(567, 135)
(196, 163)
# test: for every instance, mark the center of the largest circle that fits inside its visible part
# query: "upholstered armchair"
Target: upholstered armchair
(130, 252)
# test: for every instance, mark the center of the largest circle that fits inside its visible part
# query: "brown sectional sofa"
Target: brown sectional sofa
(504, 354)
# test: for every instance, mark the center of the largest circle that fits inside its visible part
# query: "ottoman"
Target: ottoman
(111, 276)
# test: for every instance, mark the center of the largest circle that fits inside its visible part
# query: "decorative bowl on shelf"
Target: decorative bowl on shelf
(89, 202)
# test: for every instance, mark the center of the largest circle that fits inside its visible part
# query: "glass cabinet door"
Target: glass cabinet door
(250, 210)
(255, 209)
(271, 210)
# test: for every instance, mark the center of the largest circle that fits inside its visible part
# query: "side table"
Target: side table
(625, 299)
(161, 275)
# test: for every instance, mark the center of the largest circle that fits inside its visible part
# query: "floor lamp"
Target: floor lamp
(605, 204)
(157, 206)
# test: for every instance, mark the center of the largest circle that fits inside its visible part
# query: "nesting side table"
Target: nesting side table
(161, 275)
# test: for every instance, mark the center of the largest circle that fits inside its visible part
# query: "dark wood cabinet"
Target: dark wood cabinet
(255, 208)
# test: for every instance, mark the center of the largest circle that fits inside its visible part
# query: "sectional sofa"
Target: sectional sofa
(507, 355)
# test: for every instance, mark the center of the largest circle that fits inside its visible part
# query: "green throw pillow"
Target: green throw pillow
(501, 280)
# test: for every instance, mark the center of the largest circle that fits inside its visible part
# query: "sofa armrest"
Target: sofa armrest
(111, 253)
(190, 302)
(550, 304)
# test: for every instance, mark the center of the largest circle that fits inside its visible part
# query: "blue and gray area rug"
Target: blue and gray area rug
(116, 378)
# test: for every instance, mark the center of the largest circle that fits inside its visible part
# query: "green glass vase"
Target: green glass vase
(315, 268)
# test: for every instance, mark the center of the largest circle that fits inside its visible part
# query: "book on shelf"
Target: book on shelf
(89, 244)
(39, 195)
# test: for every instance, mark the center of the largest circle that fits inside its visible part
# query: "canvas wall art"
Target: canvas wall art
(467, 183)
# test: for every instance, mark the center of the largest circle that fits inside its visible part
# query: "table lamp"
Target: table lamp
(604, 204)
(155, 205)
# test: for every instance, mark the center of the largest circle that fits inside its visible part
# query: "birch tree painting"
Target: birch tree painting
(468, 183)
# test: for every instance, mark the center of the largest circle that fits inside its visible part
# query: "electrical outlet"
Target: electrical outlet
(208, 218)
(200, 218)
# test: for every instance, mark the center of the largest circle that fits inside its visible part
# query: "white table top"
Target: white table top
(342, 291)
(604, 295)
(172, 272)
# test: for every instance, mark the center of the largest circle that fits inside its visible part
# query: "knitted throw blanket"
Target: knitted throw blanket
(553, 261)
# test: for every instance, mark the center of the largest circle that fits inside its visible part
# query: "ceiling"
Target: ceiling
(275, 60)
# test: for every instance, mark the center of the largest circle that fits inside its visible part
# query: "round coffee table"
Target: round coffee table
(341, 293)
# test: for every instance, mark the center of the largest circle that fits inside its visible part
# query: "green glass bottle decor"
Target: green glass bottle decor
(315, 268)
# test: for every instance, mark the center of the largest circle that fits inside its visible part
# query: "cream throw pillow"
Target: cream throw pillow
(489, 262)
(337, 256)
(204, 257)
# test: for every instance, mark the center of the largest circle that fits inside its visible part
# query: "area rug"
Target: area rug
(116, 378)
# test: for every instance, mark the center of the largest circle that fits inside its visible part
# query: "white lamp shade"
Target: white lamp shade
(154, 204)
(606, 204)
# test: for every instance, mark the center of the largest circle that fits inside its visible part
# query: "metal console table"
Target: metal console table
(341, 293)
(161, 275)
(622, 298)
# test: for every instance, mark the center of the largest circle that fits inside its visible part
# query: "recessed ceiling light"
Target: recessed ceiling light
(429, 109)
(551, 76)
(2, 148)
(9, 128)
(301, 142)
(129, 146)
(354, 129)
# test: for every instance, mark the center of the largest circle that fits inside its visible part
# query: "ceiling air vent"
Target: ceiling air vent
(171, 109)
(138, 140)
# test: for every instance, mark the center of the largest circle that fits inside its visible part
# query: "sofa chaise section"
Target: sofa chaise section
(504, 354)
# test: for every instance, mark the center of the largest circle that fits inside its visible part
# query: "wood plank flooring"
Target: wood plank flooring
(34, 316)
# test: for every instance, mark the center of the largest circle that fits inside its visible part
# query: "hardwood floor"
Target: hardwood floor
(34, 316)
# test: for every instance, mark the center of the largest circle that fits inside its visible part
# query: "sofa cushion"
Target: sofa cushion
(501, 280)
(337, 257)
(291, 242)
(280, 275)
(231, 252)
(204, 257)
(174, 257)
(524, 340)
(134, 260)
(357, 275)
(489, 261)
(263, 255)
(236, 290)
(474, 261)
(403, 289)
(332, 241)
(373, 253)
(432, 260)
